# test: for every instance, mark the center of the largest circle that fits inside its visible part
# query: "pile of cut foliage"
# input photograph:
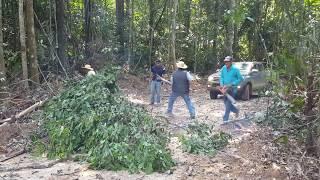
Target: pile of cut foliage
(92, 118)
(202, 140)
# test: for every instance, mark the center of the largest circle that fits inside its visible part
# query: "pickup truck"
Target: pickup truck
(255, 78)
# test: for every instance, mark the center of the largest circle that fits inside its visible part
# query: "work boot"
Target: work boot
(169, 114)
(237, 114)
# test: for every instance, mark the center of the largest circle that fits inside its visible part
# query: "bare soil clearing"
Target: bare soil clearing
(248, 156)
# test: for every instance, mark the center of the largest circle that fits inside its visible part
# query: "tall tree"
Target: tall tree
(2, 63)
(130, 11)
(151, 28)
(87, 24)
(214, 10)
(120, 25)
(61, 32)
(31, 43)
(229, 27)
(187, 16)
(23, 45)
(173, 31)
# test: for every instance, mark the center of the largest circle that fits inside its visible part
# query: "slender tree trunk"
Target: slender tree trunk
(120, 25)
(230, 28)
(2, 63)
(61, 32)
(130, 24)
(214, 15)
(187, 16)
(87, 24)
(23, 45)
(173, 31)
(151, 29)
(31, 43)
(312, 146)
(51, 50)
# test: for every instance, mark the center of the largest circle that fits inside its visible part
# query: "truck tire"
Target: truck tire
(213, 94)
(246, 93)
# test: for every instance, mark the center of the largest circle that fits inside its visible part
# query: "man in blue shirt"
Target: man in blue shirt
(157, 71)
(230, 78)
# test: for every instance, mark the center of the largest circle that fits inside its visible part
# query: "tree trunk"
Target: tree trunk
(173, 32)
(312, 144)
(23, 45)
(151, 29)
(87, 24)
(130, 24)
(214, 16)
(61, 32)
(230, 28)
(187, 16)
(120, 25)
(2, 63)
(31, 43)
(51, 35)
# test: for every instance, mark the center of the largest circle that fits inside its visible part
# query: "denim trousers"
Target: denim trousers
(229, 107)
(155, 88)
(186, 99)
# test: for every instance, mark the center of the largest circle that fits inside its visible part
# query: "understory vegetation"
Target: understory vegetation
(201, 139)
(91, 117)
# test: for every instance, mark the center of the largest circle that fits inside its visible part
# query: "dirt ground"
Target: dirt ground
(248, 156)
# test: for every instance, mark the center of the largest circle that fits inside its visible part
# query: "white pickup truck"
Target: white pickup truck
(255, 78)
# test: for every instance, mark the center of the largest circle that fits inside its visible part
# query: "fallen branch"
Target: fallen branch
(71, 173)
(13, 155)
(243, 160)
(24, 112)
(30, 166)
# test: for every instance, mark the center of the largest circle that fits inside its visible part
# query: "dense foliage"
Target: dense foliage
(269, 31)
(201, 139)
(90, 117)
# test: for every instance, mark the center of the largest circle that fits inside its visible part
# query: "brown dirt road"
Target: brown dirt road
(246, 157)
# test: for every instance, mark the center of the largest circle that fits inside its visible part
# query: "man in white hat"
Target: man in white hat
(181, 80)
(89, 70)
(230, 78)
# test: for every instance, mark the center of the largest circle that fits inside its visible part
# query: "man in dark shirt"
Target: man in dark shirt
(155, 86)
(180, 87)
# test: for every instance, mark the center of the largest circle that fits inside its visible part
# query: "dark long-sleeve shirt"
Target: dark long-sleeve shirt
(157, 70)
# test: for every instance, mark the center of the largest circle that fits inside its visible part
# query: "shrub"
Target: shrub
(91, 117)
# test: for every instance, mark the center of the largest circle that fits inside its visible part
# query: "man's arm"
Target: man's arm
(189, 77)
(239, 78)
(221, 77)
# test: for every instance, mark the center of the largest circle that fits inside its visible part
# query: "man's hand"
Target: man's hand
(223, 89)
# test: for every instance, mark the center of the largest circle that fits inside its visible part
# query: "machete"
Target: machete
(164, 80)
(230, 98)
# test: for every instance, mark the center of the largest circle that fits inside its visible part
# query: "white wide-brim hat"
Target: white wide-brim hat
(181, 64)
(87, 66)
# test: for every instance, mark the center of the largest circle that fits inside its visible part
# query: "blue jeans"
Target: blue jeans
(186, 99)
(229, 106)
(155, 88)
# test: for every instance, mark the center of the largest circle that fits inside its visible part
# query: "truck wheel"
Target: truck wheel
(213, 94)
(246, 93)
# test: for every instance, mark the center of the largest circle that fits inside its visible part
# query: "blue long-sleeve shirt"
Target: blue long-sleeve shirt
(230, 77)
